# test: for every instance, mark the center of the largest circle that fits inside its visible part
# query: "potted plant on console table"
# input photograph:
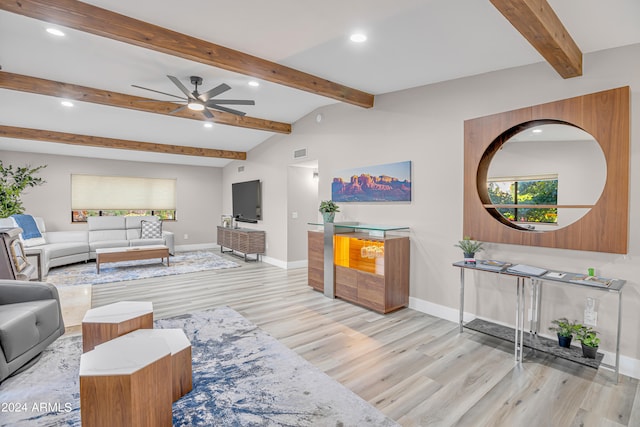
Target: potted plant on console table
(589, 340)
(328, 208)
(565, 330)
(469, 248)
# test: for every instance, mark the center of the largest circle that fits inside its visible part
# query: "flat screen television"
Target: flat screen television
(247, 201)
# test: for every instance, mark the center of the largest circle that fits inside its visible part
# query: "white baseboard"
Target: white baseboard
(297, 264)
(283, 264)
(438, 310)
(628, 365)
(274, 261)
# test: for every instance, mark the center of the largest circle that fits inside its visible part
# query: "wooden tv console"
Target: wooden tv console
(244, 240)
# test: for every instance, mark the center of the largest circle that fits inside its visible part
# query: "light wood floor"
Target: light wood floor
(415, 368)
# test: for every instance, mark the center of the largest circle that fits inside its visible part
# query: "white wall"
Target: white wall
(199, 191)
(425, 125)
(302, 194)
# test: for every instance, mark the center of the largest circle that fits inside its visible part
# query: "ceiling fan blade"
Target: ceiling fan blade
(228, 110)
(214, 92)
(178, 109)
(231, 102)
(157, 91)
(182, 88)
(207, 114)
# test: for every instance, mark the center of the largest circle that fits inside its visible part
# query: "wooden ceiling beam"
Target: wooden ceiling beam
(120, 144)
(102, 22)
(539, 24)
(36, 85)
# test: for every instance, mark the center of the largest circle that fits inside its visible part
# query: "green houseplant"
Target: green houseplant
(328, 208)
(13, 182)
(469, 248)
(565, 330)
(588, 337)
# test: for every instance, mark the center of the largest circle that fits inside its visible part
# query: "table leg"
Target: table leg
(519, 327)
(516, 339)
(618, 335)
(461, 297)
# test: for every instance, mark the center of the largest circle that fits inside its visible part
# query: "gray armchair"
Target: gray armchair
(30, 320)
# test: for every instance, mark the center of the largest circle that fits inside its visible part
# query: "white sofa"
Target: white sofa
(68, 247)
(118, 231)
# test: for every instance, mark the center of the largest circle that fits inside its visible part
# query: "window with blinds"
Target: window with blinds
(94, 195)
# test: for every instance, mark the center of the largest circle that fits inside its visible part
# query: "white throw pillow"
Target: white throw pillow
(150, 229)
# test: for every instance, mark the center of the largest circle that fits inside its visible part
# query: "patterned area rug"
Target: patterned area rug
(182, 262)
(241, 377)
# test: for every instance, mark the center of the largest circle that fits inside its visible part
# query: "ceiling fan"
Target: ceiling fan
(203, 101)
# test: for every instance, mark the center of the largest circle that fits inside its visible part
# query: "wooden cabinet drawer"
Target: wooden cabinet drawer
(371, 291)
(346, 283)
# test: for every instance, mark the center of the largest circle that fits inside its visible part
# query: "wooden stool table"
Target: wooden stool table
(125, 383)
(180, 347)
(110, 321)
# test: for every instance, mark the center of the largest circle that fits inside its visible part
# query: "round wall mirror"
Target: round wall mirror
(543, 176)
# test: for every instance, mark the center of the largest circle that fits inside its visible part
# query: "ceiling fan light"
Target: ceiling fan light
(195, 106)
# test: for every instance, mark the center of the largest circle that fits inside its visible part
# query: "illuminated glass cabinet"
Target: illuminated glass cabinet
(370, 266)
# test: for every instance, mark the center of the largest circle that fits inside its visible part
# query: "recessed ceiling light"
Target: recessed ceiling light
(358, 38)
(208, 125)
(55, 32)
(253, 83)
(66, 103)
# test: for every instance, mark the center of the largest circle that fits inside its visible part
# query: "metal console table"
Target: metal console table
(616, 286)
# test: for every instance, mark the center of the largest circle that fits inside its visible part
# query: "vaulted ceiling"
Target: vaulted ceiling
(298, 52)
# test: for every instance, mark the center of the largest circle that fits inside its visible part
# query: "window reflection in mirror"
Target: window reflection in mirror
(518, 194)
(559, 168)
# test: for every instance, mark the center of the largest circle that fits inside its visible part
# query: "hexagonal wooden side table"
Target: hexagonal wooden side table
(105, 323)
(180, 347)
(125, 383)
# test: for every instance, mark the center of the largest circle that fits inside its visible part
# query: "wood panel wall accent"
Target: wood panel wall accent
(105, 23)
(605, 115)
(69, 91)
(122, 144)
(540, 25)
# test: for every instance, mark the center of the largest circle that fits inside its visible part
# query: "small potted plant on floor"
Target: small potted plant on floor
(469, 248)
(588, 337)
(565, 330)
(328, 208)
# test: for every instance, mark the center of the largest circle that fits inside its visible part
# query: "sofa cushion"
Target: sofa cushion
(151, 230)
(146, 242)
(106, 223)
(135, 221)
(59, 250)
(24, 325)
(105, 235)
(108, 244)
